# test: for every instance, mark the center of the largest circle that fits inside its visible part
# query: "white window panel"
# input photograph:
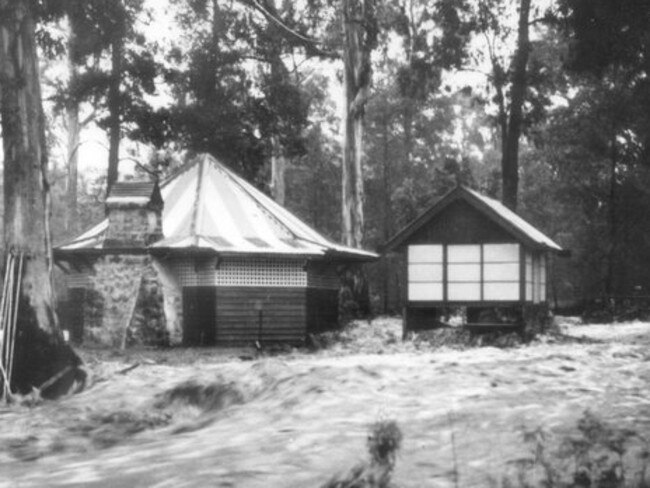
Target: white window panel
(529, 292)
(542, 293)
(425, 272)
(459, 292)
(464, 272)
(500, 253)
(464, 253)
(501, 272)
(425, 253)
(425, 292)
(501, 291)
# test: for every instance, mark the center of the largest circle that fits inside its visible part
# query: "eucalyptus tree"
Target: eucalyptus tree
(40, 352)
(111, 68)
(235, 92)
(609, 61)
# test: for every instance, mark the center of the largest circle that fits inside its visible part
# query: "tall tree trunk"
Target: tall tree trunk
(387, 221)
(72, 214)
(74, 128)
(40, 351)
(114, 109)
(613, 218)
(360, 36)
(278, 168)
(510, 150)
(359, 32)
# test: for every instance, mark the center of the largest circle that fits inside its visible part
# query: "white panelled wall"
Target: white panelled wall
(474, 273)
(425, 275)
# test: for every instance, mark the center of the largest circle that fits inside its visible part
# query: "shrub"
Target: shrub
(597, 455)
(384, 440)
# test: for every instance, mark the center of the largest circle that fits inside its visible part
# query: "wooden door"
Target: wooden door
(199, 315)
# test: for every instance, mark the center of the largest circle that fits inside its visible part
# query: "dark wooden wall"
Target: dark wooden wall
(322, 310)
(283, 315)
(459, 223)
(416, 319)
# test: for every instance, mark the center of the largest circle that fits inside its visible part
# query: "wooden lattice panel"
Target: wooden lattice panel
(261, 272)
(240, 272)
(195, 272)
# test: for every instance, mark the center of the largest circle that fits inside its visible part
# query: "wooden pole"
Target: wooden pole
(3, 326)
(6, 312)
(21, 258)
(7, 336)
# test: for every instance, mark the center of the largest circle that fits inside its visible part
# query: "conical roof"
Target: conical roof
(208, 207)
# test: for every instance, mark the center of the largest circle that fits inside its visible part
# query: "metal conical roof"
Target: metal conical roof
(208, 207)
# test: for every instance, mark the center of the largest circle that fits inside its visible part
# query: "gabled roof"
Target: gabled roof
(207, 207)
(491, 208)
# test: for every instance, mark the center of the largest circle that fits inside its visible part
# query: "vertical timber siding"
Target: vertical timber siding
(322, 297)
(322, 310)
(283, 315)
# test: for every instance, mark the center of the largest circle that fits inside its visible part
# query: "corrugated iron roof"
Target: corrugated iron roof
(510, 216)
(207, 206)
(493, 209)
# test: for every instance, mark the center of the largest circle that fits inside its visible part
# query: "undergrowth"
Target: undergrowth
(384, 441)
(384, 335)
(596, 455)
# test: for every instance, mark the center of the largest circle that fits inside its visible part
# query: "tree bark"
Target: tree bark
(510, 149)
(360, 35)
(72, 214)
(39, 352)
(613, 218)
(115, 109)
(387, 221)
(278, 168)
(74, 129)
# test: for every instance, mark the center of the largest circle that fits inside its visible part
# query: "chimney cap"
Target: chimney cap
(134, 193)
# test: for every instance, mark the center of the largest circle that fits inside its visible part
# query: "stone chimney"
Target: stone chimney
(134, 211)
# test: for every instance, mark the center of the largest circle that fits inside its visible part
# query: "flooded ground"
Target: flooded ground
(293, 420)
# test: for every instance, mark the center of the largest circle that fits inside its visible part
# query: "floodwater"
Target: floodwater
(302, 417)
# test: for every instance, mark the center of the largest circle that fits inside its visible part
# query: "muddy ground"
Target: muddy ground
(296, 418)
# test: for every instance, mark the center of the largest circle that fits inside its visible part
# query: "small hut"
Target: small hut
(205, 258)
(468, 250)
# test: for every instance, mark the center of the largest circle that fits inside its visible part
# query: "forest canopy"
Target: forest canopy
(543, 105)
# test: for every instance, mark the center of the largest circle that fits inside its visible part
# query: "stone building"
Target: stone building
(203, 258)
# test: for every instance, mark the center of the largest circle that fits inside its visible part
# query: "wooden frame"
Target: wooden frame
(445, 302)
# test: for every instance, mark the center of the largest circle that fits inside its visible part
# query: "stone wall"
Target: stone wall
(125, 304)
(132, 226)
